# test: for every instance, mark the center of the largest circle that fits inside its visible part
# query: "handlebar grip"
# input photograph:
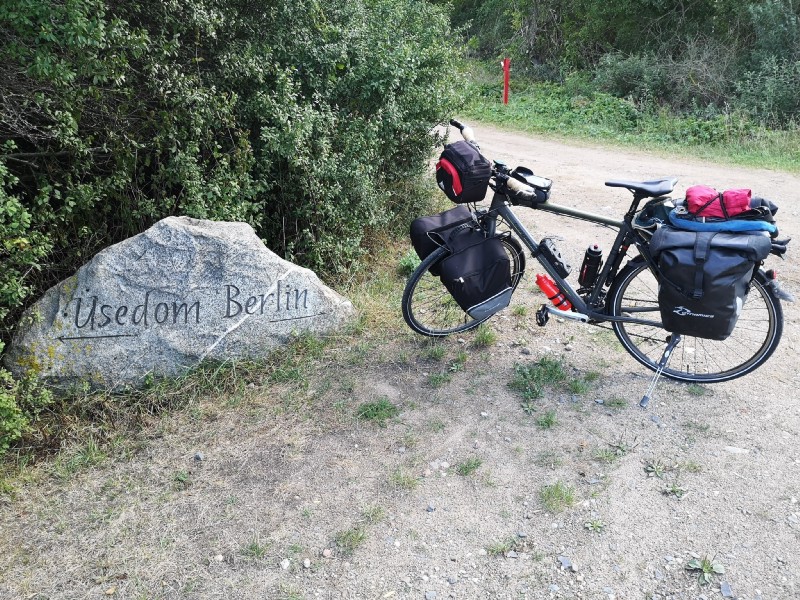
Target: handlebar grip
(524, 192)
(466, 131)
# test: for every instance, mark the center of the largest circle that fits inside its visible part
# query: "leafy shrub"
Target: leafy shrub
(640, 76)
(772, 93)
(20, 405)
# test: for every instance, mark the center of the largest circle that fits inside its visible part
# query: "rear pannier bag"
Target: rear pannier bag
(705, 278)
(478, 272)
(463, 173)
(430, 233)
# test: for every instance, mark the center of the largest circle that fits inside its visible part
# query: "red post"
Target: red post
(506, 71)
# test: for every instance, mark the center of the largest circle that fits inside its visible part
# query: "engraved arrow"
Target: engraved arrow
(96, 337)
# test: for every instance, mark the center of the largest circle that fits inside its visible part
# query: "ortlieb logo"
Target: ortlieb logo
(682, 311)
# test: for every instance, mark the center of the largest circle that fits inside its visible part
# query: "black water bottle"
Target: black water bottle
(592, 261)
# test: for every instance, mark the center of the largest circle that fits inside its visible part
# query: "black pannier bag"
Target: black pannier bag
(705, 278)
(429, 233)
(478, 271)
(463, 173)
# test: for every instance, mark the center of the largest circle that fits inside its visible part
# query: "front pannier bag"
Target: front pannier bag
(463, 173)
(478, 272)
(705, 278)
(430, 233)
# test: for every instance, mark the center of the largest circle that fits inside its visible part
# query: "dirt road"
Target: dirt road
(471, 491)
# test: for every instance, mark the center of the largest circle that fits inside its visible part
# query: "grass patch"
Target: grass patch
(255, 548)
(616, 403)
(557, 497)
(531, 380)
(435, 352)
(349, 540)
(437, 426)
(403, 480)
(437, 380)
(502, 547)
(695, 389)
(581, 385)
(485, 336)
(519, 310)
(379, 411)
(547, 420)
(373, 514)
(469, 466)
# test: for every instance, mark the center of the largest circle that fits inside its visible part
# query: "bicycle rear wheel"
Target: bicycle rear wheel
(428, 307)
(698, 360)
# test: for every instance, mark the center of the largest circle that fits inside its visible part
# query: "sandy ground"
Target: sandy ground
(293, 497)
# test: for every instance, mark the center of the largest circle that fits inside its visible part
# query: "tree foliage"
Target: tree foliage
(694, 54)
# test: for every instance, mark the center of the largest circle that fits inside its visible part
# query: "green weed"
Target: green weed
(557, 497)
(437, 380)
(705, 568)
(408, 263)
(469, 466)
(532, 379)
(696, 389)
(255, 548)
(373, 514)
(436, 352)
(378, 411)
(403, 480)
(485, 336)
(595, 525)
(547, 420)
(349, 540)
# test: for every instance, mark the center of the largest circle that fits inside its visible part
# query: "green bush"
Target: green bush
(771, 94)
(21, 402)
(310, 121)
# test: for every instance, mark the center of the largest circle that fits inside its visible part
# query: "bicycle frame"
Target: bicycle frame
(626, 235)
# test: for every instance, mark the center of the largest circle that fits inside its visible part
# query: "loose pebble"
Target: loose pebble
(285, 564)
(327, 553)
(199, 456)
(307, 563)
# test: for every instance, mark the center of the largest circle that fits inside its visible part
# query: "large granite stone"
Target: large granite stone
(158, 303)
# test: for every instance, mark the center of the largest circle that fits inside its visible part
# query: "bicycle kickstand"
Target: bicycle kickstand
(674, 340)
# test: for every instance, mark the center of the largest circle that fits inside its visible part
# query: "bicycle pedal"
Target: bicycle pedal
(542, 315)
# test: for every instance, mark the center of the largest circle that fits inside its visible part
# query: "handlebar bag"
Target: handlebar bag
(430, 233)
(463, 173)
(478, 271)
(705, 278)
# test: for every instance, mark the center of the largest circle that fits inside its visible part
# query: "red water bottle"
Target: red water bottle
(550, 289)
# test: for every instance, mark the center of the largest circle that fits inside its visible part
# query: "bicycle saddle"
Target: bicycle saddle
(646, 189)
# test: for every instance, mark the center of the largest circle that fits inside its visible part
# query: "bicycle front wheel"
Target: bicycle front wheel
(698, 360)
(428, 307)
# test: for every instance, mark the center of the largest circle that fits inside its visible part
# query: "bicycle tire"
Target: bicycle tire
(755, 337)
(429, 309)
